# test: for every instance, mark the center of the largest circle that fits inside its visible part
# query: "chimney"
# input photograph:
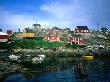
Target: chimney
(0, 30)
(9, 32)
(18, 30)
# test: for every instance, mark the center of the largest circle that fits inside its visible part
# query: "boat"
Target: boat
(88, 56)
(14, 57)
(38, 59)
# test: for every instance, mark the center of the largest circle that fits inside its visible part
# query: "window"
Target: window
(76, 42)
(85, 30)
(77, 31)
(82, 30)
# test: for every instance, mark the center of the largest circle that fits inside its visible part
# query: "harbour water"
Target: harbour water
(55, 69)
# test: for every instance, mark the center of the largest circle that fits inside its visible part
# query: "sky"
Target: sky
(16, 14)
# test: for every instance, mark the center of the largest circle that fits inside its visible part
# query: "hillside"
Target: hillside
(97, 38)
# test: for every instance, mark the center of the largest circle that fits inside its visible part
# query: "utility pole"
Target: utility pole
(98, 32)
(36, 21)
(0, 30)
(98, 28)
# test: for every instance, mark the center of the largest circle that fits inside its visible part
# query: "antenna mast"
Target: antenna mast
(98, 26)
(36, 21)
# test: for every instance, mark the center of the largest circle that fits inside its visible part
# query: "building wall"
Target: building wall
(52, 38)
(3, 38)
(9, 32)
(76, 40)
(28, 35)
(81, 31)
(19, 36)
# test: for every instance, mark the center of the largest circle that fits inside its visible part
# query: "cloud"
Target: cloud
(22, 21)
(63, 13)
(71, 12)
(4, 11)
(58, 13)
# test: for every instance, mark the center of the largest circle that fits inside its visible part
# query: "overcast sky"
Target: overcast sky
(62, 13)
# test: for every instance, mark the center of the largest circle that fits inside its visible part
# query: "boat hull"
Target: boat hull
(87, 57)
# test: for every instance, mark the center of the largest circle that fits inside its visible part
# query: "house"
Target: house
(9, 32)
(19, 35)
(3, 37)
(82, 30)
(52, 38)
(36, 27)
(28, 35)
(76, 38)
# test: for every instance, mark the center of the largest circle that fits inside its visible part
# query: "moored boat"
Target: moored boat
(88, 56)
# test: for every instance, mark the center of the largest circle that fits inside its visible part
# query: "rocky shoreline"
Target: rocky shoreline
(8, 66)
(22, 65)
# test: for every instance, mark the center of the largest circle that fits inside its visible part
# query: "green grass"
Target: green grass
(33, 44)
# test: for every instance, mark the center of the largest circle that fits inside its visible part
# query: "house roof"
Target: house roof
(35, 25)
(82, 27)
(1, 33)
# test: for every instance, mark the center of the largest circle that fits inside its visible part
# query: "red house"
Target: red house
(76, 39)
(3, 37)
(82, 29)
(52, 38)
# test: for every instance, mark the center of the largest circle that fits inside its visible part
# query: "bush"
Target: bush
(3, 45)
(73, 45)
(33, 43)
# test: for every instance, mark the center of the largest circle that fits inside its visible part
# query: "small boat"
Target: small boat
(88, 56)
(14, 57)
(38, 59)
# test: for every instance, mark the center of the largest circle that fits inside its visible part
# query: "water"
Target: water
(66, 70)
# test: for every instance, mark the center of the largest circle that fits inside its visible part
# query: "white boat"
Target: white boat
(38, 59)
(41, 56)
(14, 57)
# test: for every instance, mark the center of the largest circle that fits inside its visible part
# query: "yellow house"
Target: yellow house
(28, 35)
(19, 35)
